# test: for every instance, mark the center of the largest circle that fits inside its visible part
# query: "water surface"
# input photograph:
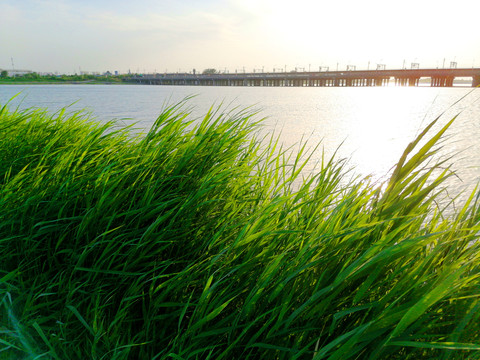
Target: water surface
(372, 124)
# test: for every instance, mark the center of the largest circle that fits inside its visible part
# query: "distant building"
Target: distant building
(13, 72)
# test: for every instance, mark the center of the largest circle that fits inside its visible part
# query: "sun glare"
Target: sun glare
(382, 126)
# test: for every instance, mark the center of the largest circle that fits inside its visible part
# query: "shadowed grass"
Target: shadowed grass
(197, 241)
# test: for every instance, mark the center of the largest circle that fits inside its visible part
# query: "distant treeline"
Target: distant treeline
(35, 77)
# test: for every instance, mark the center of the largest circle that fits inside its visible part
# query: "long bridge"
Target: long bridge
(402, 77)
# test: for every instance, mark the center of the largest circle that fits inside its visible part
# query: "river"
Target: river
(372, 125)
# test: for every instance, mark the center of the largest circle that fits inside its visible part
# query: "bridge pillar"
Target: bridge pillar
(438, 82)
(413, 81)
(476, 81)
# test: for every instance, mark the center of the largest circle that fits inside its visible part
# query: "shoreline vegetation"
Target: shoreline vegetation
(34, 78)
(192, 242)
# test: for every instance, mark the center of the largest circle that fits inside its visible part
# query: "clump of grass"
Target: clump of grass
(192, 242)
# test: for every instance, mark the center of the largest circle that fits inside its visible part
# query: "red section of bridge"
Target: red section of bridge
(404, 77)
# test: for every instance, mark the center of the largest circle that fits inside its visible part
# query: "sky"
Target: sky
(145, 36)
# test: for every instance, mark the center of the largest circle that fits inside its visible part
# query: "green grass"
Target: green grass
(201, 241)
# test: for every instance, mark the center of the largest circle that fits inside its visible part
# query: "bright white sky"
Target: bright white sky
(179, 35)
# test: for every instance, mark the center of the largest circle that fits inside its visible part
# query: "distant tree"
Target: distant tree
(209, 72)
(4, 74)
(31, 76)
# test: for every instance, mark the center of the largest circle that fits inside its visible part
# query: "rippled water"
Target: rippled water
(373, 124)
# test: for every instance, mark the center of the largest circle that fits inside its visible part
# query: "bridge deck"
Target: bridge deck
(410, 77)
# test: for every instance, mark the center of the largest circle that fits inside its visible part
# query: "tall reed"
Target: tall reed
(200, 240)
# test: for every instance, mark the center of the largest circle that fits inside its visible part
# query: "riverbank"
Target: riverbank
(192, 241)
(53, 82)
(34, 78)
